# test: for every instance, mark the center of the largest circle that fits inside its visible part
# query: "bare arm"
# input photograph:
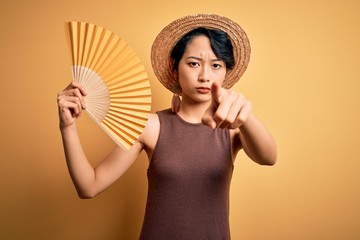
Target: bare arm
(89, 181)
(257, 142)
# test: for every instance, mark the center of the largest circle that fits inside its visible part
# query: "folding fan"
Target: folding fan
(119, 94)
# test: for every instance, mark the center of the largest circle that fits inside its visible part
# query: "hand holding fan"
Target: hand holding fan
(119, 94)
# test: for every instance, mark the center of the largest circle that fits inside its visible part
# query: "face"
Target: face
(198, 69)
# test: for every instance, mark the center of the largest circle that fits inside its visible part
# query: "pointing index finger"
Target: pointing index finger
(216, 93)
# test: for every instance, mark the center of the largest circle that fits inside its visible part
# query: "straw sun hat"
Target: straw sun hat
(171, 34)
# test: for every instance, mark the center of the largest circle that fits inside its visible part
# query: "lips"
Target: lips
(203, 90)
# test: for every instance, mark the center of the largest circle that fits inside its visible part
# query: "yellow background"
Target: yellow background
(303, 80)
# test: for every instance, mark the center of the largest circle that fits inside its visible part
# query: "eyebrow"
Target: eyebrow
(200, 59)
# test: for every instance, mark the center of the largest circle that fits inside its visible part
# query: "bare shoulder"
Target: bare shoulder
(153, 121)
(150, 134)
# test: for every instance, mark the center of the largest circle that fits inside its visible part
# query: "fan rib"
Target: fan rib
(119, 93)
(120, 136)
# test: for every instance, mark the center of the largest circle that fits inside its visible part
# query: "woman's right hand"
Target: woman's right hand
(70, 104)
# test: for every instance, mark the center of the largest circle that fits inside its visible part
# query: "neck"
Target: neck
(192, 112)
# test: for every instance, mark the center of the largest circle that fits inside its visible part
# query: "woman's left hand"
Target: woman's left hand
(228, 109)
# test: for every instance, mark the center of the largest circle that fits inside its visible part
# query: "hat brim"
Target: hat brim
(171, 34)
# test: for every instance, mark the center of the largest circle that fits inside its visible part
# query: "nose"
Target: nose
(204, 75)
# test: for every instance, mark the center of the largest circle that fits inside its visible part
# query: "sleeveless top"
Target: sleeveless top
(189, 178)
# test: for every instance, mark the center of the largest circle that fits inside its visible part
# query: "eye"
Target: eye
(194, 64)
(217, 65)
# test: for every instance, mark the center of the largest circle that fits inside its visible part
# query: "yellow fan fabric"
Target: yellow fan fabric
(119, 94)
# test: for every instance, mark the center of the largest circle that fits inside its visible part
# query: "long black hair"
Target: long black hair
(219, 41)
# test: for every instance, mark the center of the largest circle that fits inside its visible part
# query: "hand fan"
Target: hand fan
(119, 94)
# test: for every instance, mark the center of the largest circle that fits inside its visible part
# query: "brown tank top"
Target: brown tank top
(188, 182)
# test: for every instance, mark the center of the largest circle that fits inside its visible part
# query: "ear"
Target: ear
(177, 89)
(171, 65)
(173, 72)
